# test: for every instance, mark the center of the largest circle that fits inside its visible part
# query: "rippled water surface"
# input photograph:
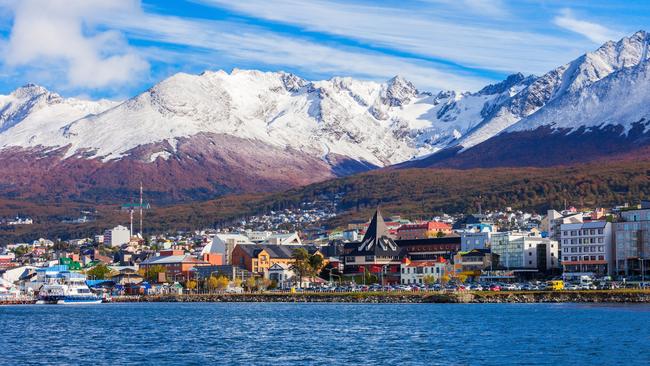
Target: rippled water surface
(355, 334)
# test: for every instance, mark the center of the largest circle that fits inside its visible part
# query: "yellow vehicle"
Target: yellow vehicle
(556, 285)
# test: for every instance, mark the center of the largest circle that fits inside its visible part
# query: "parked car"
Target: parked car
(495, 287)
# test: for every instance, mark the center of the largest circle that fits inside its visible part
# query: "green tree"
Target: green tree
(301, 263)
(305, 264)
(99, 272)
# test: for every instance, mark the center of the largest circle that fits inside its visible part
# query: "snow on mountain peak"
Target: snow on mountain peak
(399, 92)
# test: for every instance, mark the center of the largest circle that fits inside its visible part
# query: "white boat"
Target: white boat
(64, 287)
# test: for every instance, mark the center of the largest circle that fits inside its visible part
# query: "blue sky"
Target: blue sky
(117, 48)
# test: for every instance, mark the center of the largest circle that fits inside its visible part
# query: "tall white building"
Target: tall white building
(519, 250)
(117, 236)
(587, 249)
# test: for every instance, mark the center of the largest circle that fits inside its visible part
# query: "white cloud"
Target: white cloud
(592, 31)
(242, 43)
(62, 35)
(446, 33)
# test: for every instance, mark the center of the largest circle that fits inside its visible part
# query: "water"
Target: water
(284, 333)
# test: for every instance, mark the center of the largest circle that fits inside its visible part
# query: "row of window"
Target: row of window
(587, 249)
(585, 258)
(582, 232)
(583, 241)
(420, 270)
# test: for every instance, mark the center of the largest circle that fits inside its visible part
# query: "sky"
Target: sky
(116, 49)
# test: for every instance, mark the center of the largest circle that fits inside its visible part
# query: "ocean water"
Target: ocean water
(325, 334)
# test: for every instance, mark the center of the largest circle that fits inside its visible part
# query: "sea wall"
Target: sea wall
(613, 296)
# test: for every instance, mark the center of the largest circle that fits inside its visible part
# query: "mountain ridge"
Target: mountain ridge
(200, 136)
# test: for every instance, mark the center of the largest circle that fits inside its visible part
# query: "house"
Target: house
(376, 253)
(423, 230)
(126, 276)
(177, 267)
(282, 274)
(258, 258)
(416, 272)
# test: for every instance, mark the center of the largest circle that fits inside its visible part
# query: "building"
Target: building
(423, 230)
(518, 250)
(219, 251)
(258, 236)
(229, 271)
(632, 242)
(258, 258)
(551, 224)
(416, 272)
(283, 239)
(376, 253)
(282, 274)
(117, 236)
(177, 267)
(429, 249)
(476, 261)
(587, 248)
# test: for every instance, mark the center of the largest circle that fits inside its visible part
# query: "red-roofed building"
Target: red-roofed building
(423, 230)
(415, 272)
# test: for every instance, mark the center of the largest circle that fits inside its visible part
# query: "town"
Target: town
(571, 249)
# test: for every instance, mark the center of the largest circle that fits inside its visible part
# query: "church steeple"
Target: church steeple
(376, 237)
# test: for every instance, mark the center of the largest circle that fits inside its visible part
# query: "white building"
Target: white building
(282, 274)
(284, 239)
(224, 244)
(414, 272)
(587, 249)
(519, 250)
(554, 220)
(117, 236)
(258, 236)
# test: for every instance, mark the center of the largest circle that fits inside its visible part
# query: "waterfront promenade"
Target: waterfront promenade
(593, 296)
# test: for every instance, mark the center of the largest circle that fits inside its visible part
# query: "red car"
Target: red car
(495, 288)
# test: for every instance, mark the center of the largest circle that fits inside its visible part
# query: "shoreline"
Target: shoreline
(469, 297)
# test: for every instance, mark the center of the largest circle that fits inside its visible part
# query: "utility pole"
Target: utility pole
(141, 232)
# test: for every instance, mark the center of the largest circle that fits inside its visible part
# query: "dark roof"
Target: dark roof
(429, 241)
(275, 251)
(376, 240)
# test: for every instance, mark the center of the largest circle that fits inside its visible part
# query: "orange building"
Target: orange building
(258, 258)
(423, 230)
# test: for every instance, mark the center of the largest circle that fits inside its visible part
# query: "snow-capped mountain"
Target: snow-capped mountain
(581, 111)
(196, 136)
(372, 123)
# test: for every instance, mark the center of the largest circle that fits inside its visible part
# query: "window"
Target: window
(530, 254)
(530, 262)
